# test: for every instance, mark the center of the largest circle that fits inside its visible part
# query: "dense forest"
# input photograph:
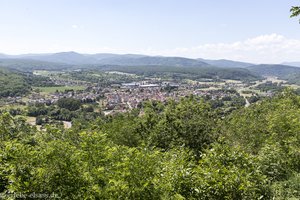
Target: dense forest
(12, 83)
(188, 72)
(176, 150)
(15, 83)
(30, 65)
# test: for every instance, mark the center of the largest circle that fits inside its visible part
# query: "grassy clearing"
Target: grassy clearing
(58, 88)
(121, 73)
(46, 73)
(3, 105)
(233, 81)
(16, 106)
(31, 120)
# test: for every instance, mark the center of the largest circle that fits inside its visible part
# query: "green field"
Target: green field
(58, 88)
(46, 73)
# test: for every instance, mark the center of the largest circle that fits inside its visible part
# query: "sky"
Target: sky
(258, 31)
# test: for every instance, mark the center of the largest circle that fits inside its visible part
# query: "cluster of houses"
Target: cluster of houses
(127, 96)
(127, 99)
(83, 95)
(12, 100)
(131, 95)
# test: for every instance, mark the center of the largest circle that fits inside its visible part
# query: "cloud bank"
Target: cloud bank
(272, 48)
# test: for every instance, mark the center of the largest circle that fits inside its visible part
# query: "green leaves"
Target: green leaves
(189, 123)
(229, 173)
(295, 11)
(69, 103)
(171, 151)
(12, 83)
(270, 132)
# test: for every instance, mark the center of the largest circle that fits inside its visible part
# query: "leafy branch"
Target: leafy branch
(295, 11)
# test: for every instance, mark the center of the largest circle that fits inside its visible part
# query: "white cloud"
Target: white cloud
(74, 26)
(272, 48)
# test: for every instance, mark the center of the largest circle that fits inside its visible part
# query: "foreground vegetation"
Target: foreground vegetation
(184, 150)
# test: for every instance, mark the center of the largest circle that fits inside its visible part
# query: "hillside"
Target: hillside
(110, 56)
(12, 83)
(65, 57)
(296, 64)
(281, 71)
(113, 59)
(288, 73)
(3, 56)
(226, 63)
(29, 65)
(188, 72)
(294, 78)
(131, 63)
(130, 59)
(155, 60)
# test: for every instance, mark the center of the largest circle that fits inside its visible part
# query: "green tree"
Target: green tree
(270, 132)
(226, 172)
(69, 103)
(190, 122)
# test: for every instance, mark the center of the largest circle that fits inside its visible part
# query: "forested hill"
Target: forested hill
(188, 72)
(146, 65)
(30, 65)
(12, 83)
(274, 70)
(288, 73)
(227, 63)
(154, 61)
(296, 64)
(73, 58)
(16, 83)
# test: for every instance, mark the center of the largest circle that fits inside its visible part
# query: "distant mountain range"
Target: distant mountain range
(296, 64)
(73, 58)
(144, 63)
(227, 63)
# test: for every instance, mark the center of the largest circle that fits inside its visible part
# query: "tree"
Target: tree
(189, 123)
(69, 103)
(295, 11)
(39, 120)
(227, 172)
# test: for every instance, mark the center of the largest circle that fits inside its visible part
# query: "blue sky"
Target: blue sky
(249, 30)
